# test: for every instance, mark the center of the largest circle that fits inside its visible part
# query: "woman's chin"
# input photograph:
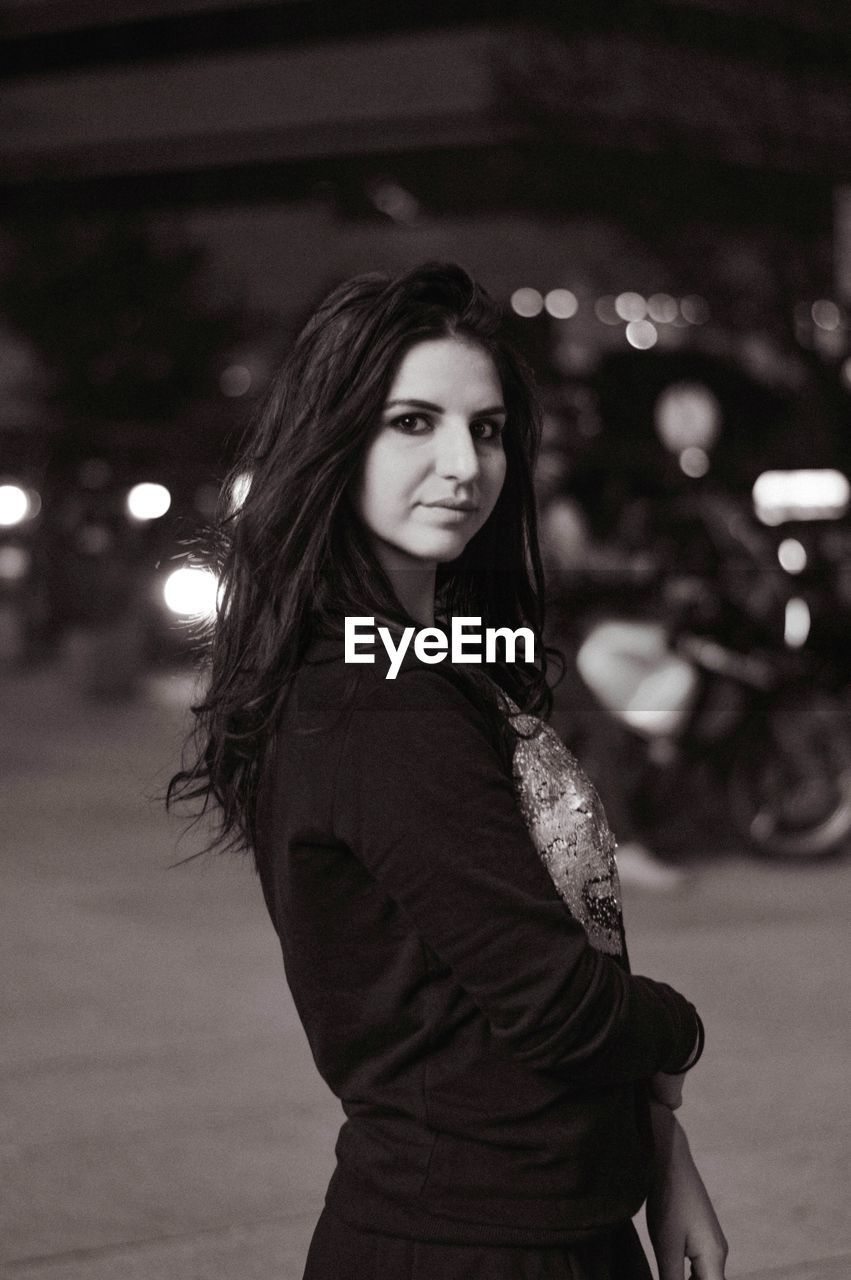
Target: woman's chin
(446, 548)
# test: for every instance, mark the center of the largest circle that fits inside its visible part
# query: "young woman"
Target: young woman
(439, 870)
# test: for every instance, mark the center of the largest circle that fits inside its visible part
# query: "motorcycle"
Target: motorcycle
(740, 682)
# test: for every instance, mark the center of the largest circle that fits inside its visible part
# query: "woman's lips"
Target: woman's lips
(455, 513)
(451, 506)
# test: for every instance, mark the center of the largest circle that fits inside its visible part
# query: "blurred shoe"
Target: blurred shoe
(640, 868)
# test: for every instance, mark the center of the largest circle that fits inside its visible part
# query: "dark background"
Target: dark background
(180, 181)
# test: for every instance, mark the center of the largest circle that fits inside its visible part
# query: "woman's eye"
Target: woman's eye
(486, 429)
(411, 423)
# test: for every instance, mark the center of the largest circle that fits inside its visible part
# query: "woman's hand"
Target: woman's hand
(680, 1218)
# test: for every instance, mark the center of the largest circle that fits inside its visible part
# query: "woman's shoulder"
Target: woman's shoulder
(396, 689)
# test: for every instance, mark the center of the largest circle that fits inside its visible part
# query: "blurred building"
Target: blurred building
(637, 178)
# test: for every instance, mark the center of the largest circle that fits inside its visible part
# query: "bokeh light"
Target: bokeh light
(826, 314)
(14, 563)
(829, 343)
(191, 592)
(393, 200)
(561, 304)
(235, 380)
(779, 496)
(641, 334)
(14, 505)
(694, 462)
(662, 308)
(630, 306)
(148, 501)
(797, 623)
(527, 303)
(792, 555)
(687, 415)
(694, 309)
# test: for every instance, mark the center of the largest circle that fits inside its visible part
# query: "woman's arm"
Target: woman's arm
(667, 1088)
(424, 801)
(680, 1217)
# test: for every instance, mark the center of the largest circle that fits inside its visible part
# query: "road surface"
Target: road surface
(162, 1118)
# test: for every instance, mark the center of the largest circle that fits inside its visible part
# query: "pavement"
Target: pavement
(162, 1118)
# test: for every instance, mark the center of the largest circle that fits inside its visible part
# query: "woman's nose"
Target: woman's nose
(456, 456)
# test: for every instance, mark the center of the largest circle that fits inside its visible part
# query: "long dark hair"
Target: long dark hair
(292, 558)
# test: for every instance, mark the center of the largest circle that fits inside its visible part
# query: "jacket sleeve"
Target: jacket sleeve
(423, 800)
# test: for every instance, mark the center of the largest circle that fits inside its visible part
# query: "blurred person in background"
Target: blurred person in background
(589, 579)
(439, 870)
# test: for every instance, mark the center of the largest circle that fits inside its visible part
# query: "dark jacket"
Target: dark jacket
(490, 1061)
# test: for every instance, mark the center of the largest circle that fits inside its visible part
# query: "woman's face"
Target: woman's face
(435, 465)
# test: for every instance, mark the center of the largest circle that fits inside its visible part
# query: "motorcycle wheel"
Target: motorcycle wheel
(790, 784)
